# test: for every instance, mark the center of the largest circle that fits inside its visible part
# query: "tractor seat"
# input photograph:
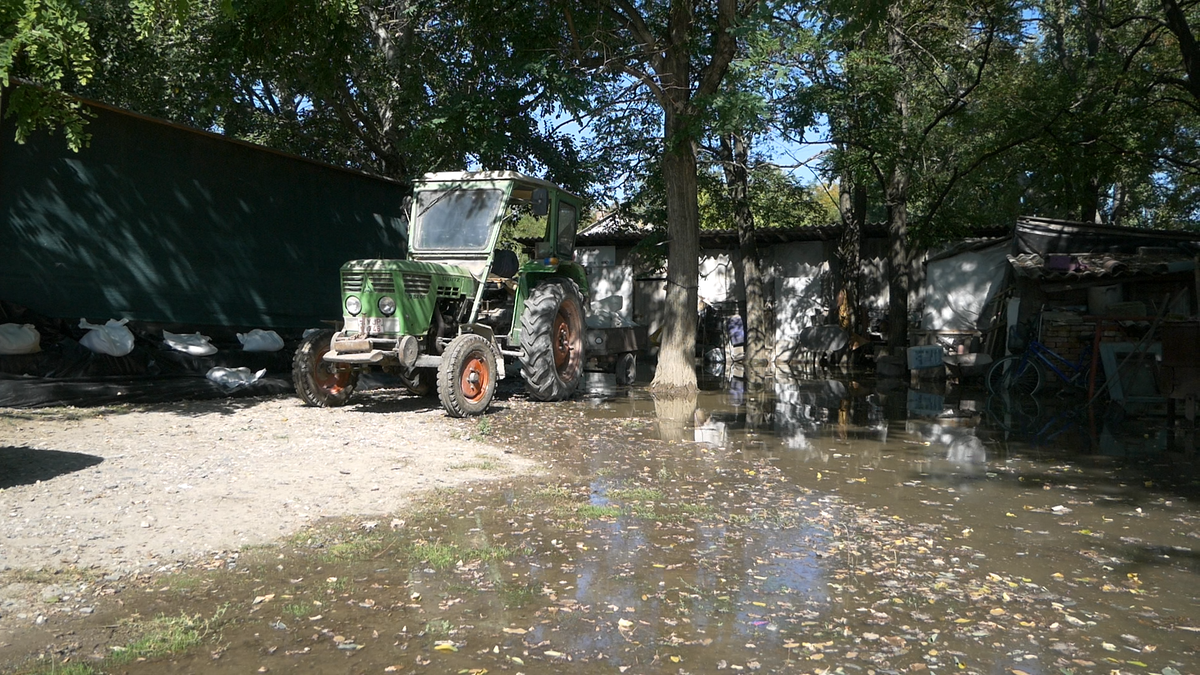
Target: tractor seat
(505, 264)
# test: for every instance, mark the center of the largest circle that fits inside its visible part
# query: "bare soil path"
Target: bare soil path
(115, 491)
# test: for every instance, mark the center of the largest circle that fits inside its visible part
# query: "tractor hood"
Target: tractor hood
(410, 289)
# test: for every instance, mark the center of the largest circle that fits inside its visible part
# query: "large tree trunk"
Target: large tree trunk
(896, 191)
(676, 355)
(1188, 48)
(852, 206)
(735, 154)
(898, 259)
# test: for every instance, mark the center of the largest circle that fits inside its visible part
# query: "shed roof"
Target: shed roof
(1062, 267)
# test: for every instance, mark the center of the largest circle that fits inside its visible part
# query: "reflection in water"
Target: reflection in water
(787, 529)
(674, 415)
(710, 430)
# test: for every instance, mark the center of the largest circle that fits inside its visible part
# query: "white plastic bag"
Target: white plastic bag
(259, 340)
(19, 339)
(113, 338)
(232, 378)
(194, 343)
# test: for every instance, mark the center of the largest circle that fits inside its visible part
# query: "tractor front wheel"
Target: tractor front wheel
(318, 382)
(552, 340)
(466, 378)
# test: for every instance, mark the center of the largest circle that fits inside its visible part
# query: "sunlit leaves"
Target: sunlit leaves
(46, 43)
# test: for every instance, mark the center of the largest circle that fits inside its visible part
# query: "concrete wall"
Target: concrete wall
(802, 284)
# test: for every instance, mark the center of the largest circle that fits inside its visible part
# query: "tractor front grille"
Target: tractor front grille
(416, 284)
(381, 282)
(352, 281)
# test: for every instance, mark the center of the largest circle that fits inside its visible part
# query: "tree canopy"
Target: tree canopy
(937, 116)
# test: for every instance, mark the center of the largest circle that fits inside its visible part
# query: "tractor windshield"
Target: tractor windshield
(455, 219)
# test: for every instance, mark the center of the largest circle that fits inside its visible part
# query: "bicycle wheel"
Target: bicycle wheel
(1014, 374)
(1017, 413)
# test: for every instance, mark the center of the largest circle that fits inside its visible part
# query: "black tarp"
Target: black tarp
(160, 223)
(65, 372)
(1044, 236)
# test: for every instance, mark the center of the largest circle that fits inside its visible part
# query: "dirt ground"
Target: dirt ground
(124, 490)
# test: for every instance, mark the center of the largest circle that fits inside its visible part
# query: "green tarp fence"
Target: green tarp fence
(159, 223)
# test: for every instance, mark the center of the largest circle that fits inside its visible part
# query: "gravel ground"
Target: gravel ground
(124, 490)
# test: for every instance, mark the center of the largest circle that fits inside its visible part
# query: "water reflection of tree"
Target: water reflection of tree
(674, 415)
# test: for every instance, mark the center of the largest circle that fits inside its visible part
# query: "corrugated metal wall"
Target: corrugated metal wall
(159, 223)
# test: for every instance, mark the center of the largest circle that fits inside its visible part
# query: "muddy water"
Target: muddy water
(815, 526)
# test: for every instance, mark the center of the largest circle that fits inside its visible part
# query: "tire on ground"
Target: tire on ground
(318, 382)
(552, 334)
(466, 378)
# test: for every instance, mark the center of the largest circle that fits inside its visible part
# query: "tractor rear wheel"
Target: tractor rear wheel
(317, 381)
(466, 378)
(552, 340)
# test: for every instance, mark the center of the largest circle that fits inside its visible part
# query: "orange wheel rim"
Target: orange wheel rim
(565, 342)
(327, 377)
(474, 379)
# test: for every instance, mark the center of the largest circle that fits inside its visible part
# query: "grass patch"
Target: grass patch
(357, 547)
(440, 555)
(483, 429)
(165, 635)
(593, 512)
(157, 637)
(298, 609)
(515, 596)
(438, 628)
(481, 464)
(553, 493)
(183, 583)
(635, 494)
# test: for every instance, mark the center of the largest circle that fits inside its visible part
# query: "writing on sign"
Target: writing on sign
(925, 404)
(929, 356)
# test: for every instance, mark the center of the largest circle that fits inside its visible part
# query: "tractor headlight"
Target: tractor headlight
(387, 305)
(353, 305)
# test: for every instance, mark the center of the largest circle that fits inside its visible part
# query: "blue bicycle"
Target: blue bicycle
(1022, 373)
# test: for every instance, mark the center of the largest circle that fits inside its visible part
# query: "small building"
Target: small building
(954, 290)
(1080, 285)
(797, 267)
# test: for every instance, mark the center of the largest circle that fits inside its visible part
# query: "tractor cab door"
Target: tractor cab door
(568, 219)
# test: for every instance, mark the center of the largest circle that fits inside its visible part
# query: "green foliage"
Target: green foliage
(395, 88)
(45, 43)
(988, 109)
(777, 200)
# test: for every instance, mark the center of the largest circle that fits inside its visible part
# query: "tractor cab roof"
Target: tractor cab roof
(523, 188)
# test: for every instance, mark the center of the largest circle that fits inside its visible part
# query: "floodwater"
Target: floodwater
(816, 525)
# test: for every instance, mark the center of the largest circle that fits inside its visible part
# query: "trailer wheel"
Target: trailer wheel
(317, 381)
(552, 340)
(626, 369)
(466, 378)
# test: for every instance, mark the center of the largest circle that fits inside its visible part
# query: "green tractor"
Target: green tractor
(447, 318)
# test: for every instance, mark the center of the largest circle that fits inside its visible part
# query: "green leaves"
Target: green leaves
(45, 43)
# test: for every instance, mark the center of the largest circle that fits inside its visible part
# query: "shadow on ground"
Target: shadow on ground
(24, 466)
